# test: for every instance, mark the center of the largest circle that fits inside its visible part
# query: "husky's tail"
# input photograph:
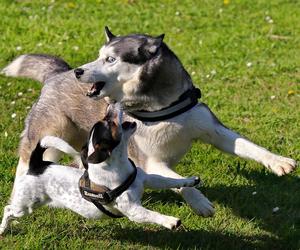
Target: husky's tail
(39, 67)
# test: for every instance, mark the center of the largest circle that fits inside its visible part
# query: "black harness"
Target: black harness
(101, 195)
(185, 102)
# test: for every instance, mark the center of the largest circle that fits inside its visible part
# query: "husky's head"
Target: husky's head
(135, 70)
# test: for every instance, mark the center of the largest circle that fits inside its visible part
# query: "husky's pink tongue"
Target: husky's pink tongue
(96, 88)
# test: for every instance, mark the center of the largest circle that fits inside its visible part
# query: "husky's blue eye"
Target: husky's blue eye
(110, 59)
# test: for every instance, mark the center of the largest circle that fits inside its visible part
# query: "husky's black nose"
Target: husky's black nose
(78, 72)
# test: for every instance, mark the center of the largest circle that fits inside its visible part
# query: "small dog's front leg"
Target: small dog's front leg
(155, 181)
(140, 214)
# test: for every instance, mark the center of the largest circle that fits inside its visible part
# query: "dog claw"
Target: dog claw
(281, 165)
(178, 224)
(197, 182)
(175, 225)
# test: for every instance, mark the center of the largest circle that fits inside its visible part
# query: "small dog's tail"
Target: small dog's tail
(39, 67)
(37, 165)
(60, 144)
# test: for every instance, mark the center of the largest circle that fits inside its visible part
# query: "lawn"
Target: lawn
(244, 55)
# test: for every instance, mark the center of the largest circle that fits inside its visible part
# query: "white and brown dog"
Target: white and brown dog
(111, 184)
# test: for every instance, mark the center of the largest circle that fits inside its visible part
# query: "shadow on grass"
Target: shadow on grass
(154, 238)
(271, 191)
(194, 239)
(254, 202)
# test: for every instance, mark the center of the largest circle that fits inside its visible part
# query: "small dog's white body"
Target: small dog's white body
(57, 186)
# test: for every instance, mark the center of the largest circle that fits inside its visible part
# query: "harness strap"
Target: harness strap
(105, 211)
(185, 102)
(125, 185)
(101, 195)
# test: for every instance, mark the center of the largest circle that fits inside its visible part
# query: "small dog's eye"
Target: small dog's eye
(110, 59)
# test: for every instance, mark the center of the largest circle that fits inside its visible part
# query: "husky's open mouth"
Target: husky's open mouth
(96, 88)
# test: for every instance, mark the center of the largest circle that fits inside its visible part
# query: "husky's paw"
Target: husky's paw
(281, 165)
(198, 202)
(172, 223)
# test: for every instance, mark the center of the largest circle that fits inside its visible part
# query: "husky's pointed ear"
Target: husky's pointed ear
(108, 34)
(155, 44)
(160, 37)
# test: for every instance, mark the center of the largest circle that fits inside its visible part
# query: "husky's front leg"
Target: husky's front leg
(196, 200)
(209, 129)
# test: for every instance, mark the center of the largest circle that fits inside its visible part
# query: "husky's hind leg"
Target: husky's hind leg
(22, 167)
(52, 154)
(209, 129)
(26, 147)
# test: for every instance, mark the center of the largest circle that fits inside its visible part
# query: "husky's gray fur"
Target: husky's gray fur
(141, 73)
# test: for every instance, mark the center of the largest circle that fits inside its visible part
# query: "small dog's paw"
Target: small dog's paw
(197, 181)
(281, 165)
(2, 230)
(193, 181)
(173, 223)
(176, 225)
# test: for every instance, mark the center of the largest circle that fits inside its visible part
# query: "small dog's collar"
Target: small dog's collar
(185, 102)
(101, 195)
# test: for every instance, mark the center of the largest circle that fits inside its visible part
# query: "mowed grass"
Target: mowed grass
(245, 58)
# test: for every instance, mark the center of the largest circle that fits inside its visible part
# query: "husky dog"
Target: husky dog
(155, 91)
(108, 172)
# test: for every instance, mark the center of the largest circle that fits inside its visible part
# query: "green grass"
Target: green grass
(208, 37)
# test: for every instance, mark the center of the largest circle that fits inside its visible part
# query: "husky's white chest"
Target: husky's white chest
(166, 141)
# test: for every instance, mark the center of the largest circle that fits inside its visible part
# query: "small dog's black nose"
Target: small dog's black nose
(78, 72)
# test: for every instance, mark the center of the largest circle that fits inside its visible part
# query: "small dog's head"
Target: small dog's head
(108, 138)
